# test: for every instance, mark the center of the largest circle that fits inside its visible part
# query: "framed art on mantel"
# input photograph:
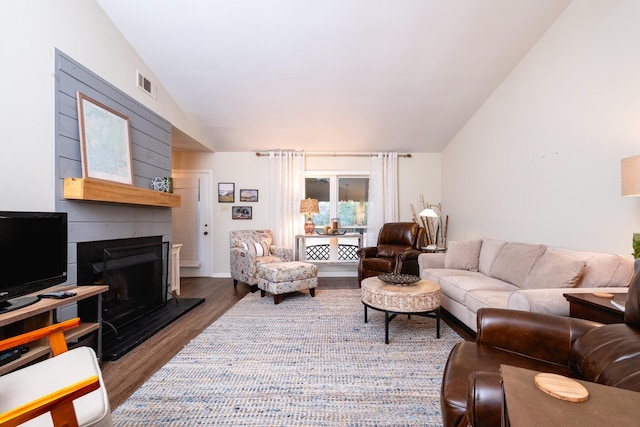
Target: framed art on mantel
(105, 142)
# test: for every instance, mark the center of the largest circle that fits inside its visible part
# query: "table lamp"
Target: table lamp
(309, 207)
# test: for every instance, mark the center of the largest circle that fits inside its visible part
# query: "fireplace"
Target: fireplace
(136, 306)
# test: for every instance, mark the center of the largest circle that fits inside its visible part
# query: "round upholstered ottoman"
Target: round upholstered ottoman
(279, 278)
(421, 298)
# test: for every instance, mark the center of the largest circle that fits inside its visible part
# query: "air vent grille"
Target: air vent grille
(146, 85)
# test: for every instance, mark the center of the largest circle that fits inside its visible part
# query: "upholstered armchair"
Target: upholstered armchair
(396, 251)
(248, 248)
(471, 392)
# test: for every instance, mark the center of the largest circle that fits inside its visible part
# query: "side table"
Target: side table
(597, 309)
(525, 405)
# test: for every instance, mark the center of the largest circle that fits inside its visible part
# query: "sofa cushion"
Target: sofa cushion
(463, 255)
(436, 274)
(456, 287)
(555, 270)
(514, 262)
(494, 299)
(488, 253)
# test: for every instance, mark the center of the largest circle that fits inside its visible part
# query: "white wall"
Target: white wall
(540, 161)
(30, 31)
(417, 175)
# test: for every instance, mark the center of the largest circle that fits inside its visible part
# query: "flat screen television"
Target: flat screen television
(33, 255)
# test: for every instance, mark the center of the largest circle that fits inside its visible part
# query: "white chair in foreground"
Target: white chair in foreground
(64, 390)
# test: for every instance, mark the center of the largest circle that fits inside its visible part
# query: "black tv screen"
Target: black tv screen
(33, 255)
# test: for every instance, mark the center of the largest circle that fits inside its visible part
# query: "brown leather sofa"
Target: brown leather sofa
(396, 252)
(471, 391)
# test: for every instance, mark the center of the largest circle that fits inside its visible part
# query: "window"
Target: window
(340, 196)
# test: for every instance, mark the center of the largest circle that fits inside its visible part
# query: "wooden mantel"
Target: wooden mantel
(112, 192)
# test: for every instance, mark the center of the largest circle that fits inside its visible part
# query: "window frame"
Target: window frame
(333, 177)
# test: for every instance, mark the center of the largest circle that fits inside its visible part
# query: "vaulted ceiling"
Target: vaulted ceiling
(331, 75)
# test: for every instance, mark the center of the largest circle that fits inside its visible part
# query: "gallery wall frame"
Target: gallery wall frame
(247, 195)
(226, 192)
(105, 141)
(241, 212)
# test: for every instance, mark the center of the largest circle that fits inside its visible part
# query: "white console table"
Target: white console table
(332, 248)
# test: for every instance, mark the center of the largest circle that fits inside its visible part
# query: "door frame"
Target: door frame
(205, 247)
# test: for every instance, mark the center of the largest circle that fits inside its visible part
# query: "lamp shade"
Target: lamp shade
(429, 213)
(630, 173)
(309, 206)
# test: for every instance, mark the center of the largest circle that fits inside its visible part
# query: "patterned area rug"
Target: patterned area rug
(304, 362)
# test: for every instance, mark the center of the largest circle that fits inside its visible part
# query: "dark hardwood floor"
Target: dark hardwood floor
(123, 376)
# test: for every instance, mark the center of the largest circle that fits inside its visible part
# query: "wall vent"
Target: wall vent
(146, 85)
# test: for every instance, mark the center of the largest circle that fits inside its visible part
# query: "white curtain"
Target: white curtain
(286, 187)
(383, 194)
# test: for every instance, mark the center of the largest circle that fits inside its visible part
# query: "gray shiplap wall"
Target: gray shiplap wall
(151, 157)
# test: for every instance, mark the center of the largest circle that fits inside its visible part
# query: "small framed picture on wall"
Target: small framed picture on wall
(241, 212)
(226, 192)
(248, 195)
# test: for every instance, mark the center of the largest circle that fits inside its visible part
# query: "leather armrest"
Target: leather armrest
(542, 336)
(411, 254)
(484, 399)
(368, 252)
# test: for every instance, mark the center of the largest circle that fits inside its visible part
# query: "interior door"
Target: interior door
(191, 222)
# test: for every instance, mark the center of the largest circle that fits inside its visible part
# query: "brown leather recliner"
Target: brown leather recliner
(471, 391)
(396, 252)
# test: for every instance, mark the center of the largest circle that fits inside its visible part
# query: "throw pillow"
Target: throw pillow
(463, 255)
(261, 248)
(555, 270)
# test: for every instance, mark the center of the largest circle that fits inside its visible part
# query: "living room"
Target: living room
(538, 160)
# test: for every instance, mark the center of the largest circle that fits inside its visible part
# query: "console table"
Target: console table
(43, 313)
(332, 245)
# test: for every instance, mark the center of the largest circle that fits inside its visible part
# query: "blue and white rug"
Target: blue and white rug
(304, 362)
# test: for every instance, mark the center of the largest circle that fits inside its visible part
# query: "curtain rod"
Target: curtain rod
(334, 154)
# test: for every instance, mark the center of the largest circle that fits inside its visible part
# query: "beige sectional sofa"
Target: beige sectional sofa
(494, 273)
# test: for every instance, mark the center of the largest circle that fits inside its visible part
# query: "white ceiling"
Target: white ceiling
(331, 75)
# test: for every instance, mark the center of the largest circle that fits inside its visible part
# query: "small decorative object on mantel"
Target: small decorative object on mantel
(398, 279)
(163, 184)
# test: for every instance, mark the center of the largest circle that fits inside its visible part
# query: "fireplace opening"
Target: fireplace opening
(136, 306)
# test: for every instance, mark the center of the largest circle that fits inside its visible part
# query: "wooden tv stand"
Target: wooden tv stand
(43, 313)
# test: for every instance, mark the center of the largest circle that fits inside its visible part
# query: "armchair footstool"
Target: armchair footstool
(279, 278)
